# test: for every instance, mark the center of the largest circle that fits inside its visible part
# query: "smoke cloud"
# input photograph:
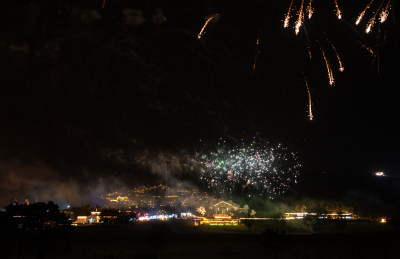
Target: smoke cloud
(37, 181)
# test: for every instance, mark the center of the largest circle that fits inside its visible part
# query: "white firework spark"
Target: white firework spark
(249, 169)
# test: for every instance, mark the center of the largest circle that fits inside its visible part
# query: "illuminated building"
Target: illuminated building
(222, 215)
(186, 215)
(220, 222)
(81, 219)
(225, 208)
(297, 215)
(155, 197)
(94, 217)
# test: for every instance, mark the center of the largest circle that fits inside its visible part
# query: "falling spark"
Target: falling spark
(372, 20)
(287, 18)
(338, 12)
(363, 12)
(309, 52)
(103, 4)
(205, 25)
(328, 67)
(310, 10)
(385, 13)
(300, 19)
(310, 114)
(369, 26)
(341, 68)
(367, 48)
(257, 51)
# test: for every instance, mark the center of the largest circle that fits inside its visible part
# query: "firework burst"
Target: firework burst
(249, 169)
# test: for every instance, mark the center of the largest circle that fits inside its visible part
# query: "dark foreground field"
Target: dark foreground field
(177, 240)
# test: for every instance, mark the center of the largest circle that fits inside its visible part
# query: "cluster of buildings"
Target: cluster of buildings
(199, 212)
(220, 213)
(154, 197)
(163, 203)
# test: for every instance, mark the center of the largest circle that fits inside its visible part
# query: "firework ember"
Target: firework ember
(257, 51)
(310, 10)
(385, 13)
(371, 51)
(370, 25)
(341, 68)
(205, 25)
(249, 169)
(338, 12)
(328, 67)
(309, 52)
(300, 18)
(363, 13)
(287, 18)
(310, 114)
(372, 20)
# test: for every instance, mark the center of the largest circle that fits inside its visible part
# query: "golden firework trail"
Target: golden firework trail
(341, 68)
(329, 69)
(338, 12)
(372, 20)
(103, 4)
(205, 25)
(309, 52)
(287, 18)
(310, 113)
(310, 10)
(363, 13)
(300, 19)
(385, 13)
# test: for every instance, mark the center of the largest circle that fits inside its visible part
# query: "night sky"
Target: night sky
(85, 91)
